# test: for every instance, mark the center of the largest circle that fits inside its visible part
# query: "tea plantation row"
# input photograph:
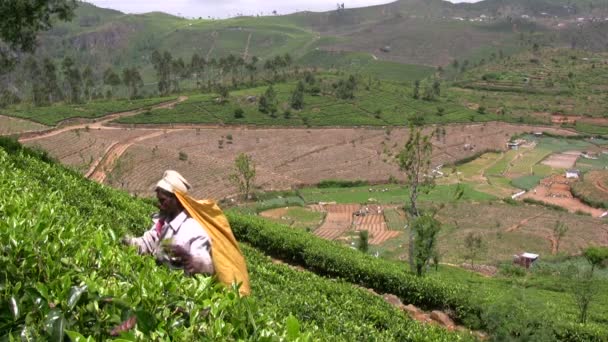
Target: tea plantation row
(63, 273)
(333, 260)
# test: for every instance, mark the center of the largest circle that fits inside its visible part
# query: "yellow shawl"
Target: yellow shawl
(228, 260)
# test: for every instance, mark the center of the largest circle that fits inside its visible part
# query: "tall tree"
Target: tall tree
(73, 79)
(33, 76)
(88, 82)
(178, 71)
(197, 68)
(244, 174)
(416, 91)
(474, 244)
(559, 231)
(132, 79)
(426, 228)
(162, 65)
(49, 79)
(111, 79)
(268, 101)
(415, 161)
(297, 97)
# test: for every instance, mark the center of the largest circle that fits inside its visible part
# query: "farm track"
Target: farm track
(246, 52)
(98, 123)
(522, 223)
(601, 186)
(214, 35)
(106, 163)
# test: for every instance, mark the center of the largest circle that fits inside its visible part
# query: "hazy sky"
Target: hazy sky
(225, 8)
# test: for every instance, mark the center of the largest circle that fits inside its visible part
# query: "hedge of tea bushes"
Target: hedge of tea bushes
(333, 260)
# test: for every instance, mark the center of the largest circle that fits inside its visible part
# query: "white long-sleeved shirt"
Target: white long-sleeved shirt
(182, 231)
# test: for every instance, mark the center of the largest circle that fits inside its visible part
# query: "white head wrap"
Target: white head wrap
(172, 181)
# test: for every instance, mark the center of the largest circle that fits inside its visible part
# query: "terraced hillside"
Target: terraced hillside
(565, 86)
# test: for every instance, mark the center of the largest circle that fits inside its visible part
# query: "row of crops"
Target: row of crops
(51, 115)
(329, 259)
(64, 275)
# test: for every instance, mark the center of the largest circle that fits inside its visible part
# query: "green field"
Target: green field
(395, 219)
(375, 103)
(56, 113)
(534, 84)
(298, 217)
(388, 194)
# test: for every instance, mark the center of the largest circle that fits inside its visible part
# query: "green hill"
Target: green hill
(417, 32)
(538, 83)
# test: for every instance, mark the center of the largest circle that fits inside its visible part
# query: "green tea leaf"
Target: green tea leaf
(146, 322)
(293, 328)
(75, 294)
(14, 307)
(77, 337)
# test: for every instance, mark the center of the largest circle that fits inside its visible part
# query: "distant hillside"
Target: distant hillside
(418, 32)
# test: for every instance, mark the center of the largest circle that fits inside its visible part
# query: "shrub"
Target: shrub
(239, 113)
(336, 183)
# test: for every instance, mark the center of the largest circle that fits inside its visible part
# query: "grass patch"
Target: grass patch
(526, 182)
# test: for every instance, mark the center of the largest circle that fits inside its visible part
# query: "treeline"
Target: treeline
(43, 82)
(216, 74)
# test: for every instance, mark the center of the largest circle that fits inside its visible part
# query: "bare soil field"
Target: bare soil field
(82, 148)
(10, 125)
(290, 157)
(342, 218)
(564, 160)
(557, 192)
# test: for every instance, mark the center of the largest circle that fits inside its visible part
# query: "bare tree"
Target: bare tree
(474, 244)
(244, 174)
(559, 231)
(415, 162)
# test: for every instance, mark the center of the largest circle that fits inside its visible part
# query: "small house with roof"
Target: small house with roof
(573, 174)
(525, 259)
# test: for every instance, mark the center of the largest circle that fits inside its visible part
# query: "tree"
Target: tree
(584, 287)
(425, 228)
(178, 71)
(73, 79)
(132, 80)
(583, 290)
(437, 88)
(162, 65)
(244, 174)
(474, 244)
(597, 257)
(223, 92)
(268, 101)
(415, 161)
(33, 75)
(297, 97)
(416, 91)
(20, 22)
(49, 79)
(363, 245)
(559, 231)
(88, 80)
(111, 79)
